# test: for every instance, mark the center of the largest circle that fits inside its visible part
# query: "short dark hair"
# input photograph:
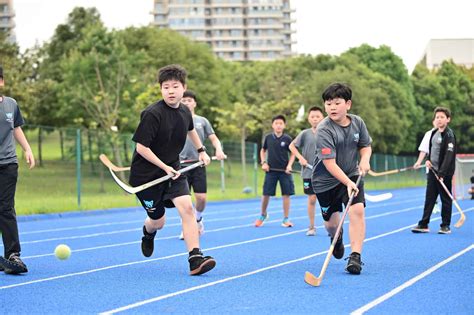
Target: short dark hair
(191, 94)
(1, 71)
(444, 110)
(315, 109)
(172, 72)
(279, 117)
(337, 90)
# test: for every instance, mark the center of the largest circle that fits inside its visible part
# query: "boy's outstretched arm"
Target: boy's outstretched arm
(297, 154)
(193, 135)
(364, 165)
(21, 139)
(217, 145)
(151, 157)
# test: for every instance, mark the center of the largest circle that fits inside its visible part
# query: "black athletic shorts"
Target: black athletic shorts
(156, 198)
(308, 186)
(197, 179)
(272, 178)
(331, 200)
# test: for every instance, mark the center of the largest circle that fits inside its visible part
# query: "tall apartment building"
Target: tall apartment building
(461, 51)
(7, 24)
(236, 30)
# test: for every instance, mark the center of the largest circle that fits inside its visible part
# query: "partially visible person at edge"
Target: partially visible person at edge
(10, 130)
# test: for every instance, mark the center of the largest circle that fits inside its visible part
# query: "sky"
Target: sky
(322, 26)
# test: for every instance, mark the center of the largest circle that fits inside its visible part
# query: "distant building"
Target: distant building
(7, 24)
(236, 30)
(461, 51)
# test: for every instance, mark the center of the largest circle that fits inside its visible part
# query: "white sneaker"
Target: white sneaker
(201, 226)
(311, 231)
(181, 236)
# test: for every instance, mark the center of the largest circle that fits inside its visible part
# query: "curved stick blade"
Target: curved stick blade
(310, 279)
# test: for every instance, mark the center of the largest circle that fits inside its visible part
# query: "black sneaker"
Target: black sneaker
(354, 265)
(13, 265)
(444, 230)
(338, 251)
(148, 243)
(420, 229)
(199, 264)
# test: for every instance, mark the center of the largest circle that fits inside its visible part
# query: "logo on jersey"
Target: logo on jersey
(356, 137)
(283, 144)
(9, 117)
(450, 146)
(198, 125)
(326, 151)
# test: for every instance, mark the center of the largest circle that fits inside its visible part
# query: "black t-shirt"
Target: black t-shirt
(163, 129)
(277, 150)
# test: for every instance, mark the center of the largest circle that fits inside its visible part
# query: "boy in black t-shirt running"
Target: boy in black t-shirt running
(277, 165)
(160, 137)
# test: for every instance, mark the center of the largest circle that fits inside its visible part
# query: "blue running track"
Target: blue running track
(259, 270)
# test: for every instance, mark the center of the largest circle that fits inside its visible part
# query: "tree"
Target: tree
(240, 120)
(96, 78)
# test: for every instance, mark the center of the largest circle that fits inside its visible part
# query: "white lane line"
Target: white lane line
(176, 293)
(169, 257)
(170, 216)
(140, 228)
(209, 212)
(212, 231)
(164, 238)
(180, 254)
(409, 283)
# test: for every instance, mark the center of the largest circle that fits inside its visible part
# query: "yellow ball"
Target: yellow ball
(62, 252)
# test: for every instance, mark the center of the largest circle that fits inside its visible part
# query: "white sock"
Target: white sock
(198, 215)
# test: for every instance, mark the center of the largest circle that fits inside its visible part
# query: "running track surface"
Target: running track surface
(259, 270)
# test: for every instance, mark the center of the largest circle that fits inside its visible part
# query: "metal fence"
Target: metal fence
(68, 160)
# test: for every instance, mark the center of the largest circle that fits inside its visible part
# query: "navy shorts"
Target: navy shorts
(156, 198)
(308, 186)
(197, 180)
(331, 200)
(286, 183)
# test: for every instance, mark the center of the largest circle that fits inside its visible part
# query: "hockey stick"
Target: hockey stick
(309, 278)
(134, 190)
(378, 198)
(461, 213)
(282, 170)
(194, 161)
(372, 173)
(103, 158)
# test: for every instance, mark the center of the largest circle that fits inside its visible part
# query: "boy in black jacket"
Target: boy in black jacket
(441, 160)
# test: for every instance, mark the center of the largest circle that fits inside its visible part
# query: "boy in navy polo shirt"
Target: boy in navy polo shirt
(277, 159)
